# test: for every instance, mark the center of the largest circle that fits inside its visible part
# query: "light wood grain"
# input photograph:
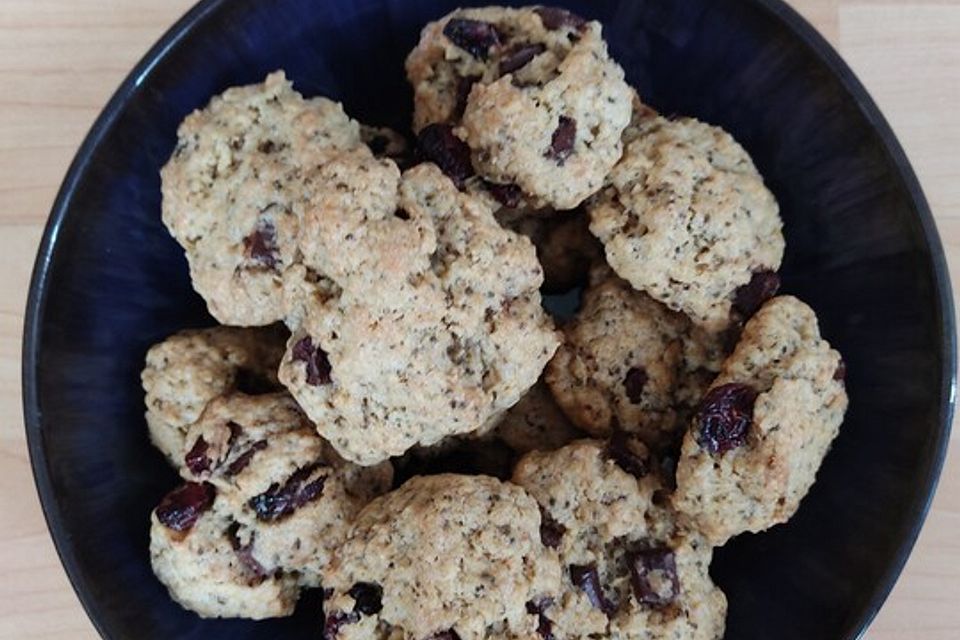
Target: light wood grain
(61, 59)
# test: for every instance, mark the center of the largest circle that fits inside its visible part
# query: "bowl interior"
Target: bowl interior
(860, 249)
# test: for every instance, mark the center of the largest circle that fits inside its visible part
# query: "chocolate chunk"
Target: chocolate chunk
(751, 296)
(181, 508)
(473, 36)
(724, 416)
(554, 18)
(544, 625)
(562, 141)
(551, 531)
(196, 459)
(261, 245)
(519, 56)
(279, 501)
(653, 573)
(509, 195)
(337, 619)
(622, 452)
(318, 365)
(440, 146)
(633, 384)
(586, 578)
(368, 598)
(244, 458)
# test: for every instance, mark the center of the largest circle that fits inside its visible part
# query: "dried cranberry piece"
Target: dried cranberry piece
(561, 143)
(633, 384)
(509, 195)
(621, 452)
(554, 18)
(318, 365)
(551, 531)
(261, 245)
(448, 634)
(473, 36)
(464, 85)
(586, 578)
(544, 625)
(368, 598)
(244, 553)
(196, 459)
(751, 296)
(243, 460)
(840, 374)
(440, 146)
(519, 56)
(653, 573)
(280, 501)
(181, 508)
(724, 417)
(337, 619)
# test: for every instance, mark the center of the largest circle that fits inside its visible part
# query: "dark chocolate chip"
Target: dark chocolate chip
(318, 365)
(181, 508)
(261, 245)
(440, 146)
(473, 36)
(196, 459)
(633, 384)
(653, 573)
(723, 417)
(622, 452)
(551, 531)
(562, 141)
(402, 214)
(368, 598)
(750, 297)
(519, 56)
(554, 18)
(586, 578)
(280, 501)
(544, 625)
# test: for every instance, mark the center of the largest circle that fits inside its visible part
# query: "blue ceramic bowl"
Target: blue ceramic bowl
(861, 249)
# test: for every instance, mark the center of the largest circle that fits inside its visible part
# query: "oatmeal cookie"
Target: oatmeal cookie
(190, 368)
(234, 187)
(445, 554)
(415, 315)
(290, 494)
(763, 428)
(630, 569)
(687, 219)
(628, 362)
(540, 103)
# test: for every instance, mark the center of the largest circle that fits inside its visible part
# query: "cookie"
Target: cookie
(687, 219)
(446, 556)
(289, 492)
(536, 422)
(538, 100)
(630, 363)
(196, 552)
(764, 426)
(234, 187)
(565, 247)
(190, 368)
(630, 569)
(416, 316)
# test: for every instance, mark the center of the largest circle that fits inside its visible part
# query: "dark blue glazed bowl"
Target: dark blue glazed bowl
(861, 249)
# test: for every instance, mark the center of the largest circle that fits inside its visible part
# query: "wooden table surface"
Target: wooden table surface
(61, 59)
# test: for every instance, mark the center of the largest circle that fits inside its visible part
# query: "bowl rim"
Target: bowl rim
(203, 10)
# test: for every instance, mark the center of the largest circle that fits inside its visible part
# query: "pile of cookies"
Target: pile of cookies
(388, 413)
